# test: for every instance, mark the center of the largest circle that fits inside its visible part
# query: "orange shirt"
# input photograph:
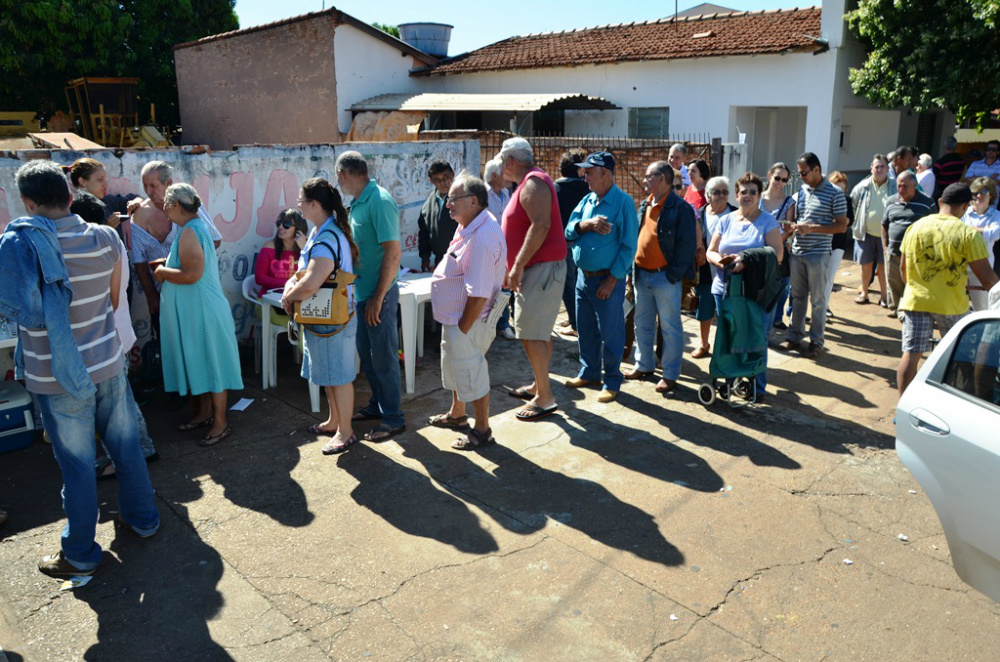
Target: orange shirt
(648, 254)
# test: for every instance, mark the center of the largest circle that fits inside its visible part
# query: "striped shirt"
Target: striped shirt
(90, 252)
(822, 205)
(473, 266)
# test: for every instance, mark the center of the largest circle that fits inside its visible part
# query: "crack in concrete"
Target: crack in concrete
(262, 643)
(406, 633)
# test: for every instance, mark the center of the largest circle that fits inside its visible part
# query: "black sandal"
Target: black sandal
(366, 415)
(474, 439)
(383, 432)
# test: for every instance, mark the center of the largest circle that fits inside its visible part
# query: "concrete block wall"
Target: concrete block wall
(245, 189)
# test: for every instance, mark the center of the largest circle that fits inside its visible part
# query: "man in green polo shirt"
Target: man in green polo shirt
(375, 228)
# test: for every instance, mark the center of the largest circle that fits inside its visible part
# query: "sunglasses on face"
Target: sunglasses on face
(715, 193)
(678, 187)
(783, 180)
(283, 224)
(980, 194)
(992, 149)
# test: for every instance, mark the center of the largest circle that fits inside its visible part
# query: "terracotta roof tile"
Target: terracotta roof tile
(733, 33)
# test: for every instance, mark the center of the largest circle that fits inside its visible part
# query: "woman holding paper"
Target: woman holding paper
(328, 357)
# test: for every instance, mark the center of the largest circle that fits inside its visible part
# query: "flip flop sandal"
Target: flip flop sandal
(534, 412)
(521, 393)
(211, 441)
(366, 415)
(474, 439)
(449, 423)
(861, 300)
(383, 432)
(194, 425)
(316, 429)
(334, 448)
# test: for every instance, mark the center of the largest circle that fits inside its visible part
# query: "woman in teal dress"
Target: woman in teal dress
(198, 337)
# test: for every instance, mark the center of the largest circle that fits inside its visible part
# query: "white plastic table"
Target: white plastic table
(414, 290)
(267, 301)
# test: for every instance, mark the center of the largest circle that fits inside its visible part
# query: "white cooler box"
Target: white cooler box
(17, 423)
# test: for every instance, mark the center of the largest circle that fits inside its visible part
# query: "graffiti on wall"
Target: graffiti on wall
(244, 190)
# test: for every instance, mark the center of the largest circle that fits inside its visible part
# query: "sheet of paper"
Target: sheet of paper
(242, 404)
(75, 582)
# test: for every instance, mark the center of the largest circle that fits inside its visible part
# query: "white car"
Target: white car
(948, 436)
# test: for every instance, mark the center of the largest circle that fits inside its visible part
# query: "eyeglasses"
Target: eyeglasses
(980, 194)
(283, 224)
(678, 187)
(722, 192)
(783, 180)
(459, 197)
(749, 193)
(992, 149)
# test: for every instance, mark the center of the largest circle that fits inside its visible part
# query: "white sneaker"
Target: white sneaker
(508, 334)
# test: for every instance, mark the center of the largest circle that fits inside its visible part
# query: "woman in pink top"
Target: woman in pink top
(278, 259)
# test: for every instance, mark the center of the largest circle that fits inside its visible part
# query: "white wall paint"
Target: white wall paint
(366, 67)
(871, 132)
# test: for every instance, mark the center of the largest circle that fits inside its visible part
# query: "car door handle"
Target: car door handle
(925, 421)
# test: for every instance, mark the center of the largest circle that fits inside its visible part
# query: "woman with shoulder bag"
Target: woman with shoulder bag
(328, 357)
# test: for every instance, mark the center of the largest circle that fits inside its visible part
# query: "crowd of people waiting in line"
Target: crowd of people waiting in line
(575, 242)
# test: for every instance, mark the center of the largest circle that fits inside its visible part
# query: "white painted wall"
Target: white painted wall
(367, 67)
(870, 132)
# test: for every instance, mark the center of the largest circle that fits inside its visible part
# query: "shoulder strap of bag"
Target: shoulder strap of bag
(335, 251)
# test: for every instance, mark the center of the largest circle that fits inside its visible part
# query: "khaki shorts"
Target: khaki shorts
(463, 360)
(536, 304)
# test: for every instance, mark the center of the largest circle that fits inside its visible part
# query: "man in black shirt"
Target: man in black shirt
(901, 211)
(570, 190)
(435, 226)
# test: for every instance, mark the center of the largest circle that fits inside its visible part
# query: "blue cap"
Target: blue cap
(602, 159)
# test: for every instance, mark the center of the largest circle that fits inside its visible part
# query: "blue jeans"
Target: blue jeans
(378, 347)
(766, 319)
(569, 290)
(809, 279)
(71, 423)
(782, 298)
(601, 325)
(655, 295)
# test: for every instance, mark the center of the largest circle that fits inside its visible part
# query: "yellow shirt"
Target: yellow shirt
(877, 197)
(938, 250)
(648, 254)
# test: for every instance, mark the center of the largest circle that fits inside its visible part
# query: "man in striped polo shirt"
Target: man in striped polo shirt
(820, 212)
(72, 415)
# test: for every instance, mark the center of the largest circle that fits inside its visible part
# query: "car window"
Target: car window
(973, 367)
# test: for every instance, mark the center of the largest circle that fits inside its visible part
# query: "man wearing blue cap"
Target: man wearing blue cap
(605, 228)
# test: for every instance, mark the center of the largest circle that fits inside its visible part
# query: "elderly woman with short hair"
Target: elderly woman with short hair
(198, 340)
(717, 194)
(463, 288)
(983, 217)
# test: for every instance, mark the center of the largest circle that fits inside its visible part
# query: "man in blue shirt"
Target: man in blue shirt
(605, 229)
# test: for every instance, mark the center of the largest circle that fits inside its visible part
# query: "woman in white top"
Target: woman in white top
(984, 218)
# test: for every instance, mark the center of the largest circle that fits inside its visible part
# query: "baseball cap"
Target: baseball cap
(518, 143)
(601, 159)
(957, 194)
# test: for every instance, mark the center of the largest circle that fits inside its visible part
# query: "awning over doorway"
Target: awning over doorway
(438, 102)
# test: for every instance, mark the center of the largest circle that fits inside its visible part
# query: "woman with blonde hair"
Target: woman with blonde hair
(198, 336)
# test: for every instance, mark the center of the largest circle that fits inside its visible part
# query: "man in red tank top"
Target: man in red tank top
(536, 268)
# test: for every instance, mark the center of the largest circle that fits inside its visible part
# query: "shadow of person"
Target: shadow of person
(409, 501)
(154, 601)
(532, 495)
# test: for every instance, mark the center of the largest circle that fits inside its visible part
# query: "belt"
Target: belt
(594, 274)
(651, 271)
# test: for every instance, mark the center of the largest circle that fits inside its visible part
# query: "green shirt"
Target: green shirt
(374, 220)
(877, 198)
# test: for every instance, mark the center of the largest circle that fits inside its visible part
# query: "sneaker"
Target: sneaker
(508, 334)
(813, 351)
(56, 566)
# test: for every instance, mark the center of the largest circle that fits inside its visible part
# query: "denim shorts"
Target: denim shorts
(331, 360)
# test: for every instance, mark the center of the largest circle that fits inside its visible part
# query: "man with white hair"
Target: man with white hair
(925, 174)
(498, 196)
(675, 157)
(536, 268)
(153, 233)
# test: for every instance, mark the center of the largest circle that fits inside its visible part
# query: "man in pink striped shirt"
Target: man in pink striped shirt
(465, 283)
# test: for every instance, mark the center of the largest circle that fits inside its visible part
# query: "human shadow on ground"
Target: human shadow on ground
(523, 496)
(411, 502)
(644, 452)
(154, 601)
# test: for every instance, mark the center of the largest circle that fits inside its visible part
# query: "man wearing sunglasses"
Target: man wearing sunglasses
(820, 212)
(987, 167)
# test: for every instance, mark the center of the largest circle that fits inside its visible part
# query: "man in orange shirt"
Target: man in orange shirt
(664, 258)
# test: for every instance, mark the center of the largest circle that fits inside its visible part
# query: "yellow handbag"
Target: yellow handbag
(330, 305)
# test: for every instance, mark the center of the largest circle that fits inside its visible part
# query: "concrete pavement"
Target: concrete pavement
(650, 528)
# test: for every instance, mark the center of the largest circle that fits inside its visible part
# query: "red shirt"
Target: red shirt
(695, 198)
(516, 223)
(271, 274)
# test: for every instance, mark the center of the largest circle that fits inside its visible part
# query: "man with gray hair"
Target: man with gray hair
(375, 228)
(153, 234)
(536, 268)
(675, 157)
(71, 359)
(902, 210)
(869, 198)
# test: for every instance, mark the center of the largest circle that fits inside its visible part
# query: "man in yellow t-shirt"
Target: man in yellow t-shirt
(936, 252)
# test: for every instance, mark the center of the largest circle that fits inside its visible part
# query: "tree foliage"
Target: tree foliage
(929, 54)
(388, 29)
(44, 43)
